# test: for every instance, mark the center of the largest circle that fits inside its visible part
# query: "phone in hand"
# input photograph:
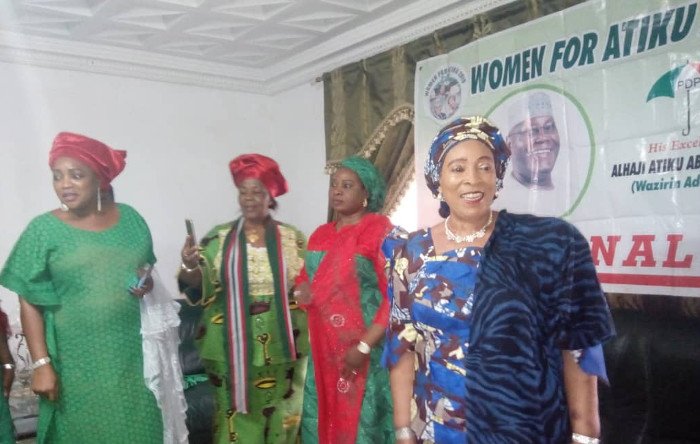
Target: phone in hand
(190, 230)
(147, 269)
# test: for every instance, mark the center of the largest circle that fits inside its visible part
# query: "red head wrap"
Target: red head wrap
(262, 168)
(104, 161)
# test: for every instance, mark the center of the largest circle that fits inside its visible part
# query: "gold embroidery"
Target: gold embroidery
(264, 339)
(260, 282)
(265, 383)
(291, 421)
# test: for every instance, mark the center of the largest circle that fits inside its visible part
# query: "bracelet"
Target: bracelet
(8, 366)
(40, 362)
(404, 433)
(583, 439)
(363, 347)
(188, 269)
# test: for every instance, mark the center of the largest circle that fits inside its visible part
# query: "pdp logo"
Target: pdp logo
(673, 83)
(442, 94)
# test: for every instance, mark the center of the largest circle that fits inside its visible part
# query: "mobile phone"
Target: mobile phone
(190, 230)
(148, 268)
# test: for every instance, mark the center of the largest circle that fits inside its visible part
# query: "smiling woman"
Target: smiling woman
(468, 185)
(497, 319)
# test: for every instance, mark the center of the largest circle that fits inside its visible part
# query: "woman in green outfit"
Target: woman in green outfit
(253, 340)
(343, 289)
(73, 269)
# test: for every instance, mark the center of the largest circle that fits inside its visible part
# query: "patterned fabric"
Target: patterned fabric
(465, 128)
(497, 320)
(80, 279)
(239, 299)
(162, 370)
(274, 380)
(345, 269)
(437, 328)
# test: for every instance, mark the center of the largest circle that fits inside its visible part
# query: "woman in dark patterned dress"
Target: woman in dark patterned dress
(503, 313)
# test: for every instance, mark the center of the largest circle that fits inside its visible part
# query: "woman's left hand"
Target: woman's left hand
(354, 359)
(141, 291)
(146, 287)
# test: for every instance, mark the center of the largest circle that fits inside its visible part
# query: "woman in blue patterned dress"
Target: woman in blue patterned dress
(503, 313)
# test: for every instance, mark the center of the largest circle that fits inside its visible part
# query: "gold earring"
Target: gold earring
(99, 200)
(364, 203)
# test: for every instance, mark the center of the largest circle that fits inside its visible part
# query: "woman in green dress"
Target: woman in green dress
(73, 270)
(343, 289)
(253, 340)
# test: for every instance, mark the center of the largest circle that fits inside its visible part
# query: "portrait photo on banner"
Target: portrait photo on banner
(552, 150)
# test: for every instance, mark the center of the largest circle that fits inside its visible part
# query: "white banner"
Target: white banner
(600, 104)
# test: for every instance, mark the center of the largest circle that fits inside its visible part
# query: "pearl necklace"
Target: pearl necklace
(469, 237)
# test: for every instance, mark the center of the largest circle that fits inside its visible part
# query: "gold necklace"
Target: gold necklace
(252, 236)
(469, 237)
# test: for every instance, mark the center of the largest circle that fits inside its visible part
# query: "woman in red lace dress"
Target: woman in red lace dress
(343, 288)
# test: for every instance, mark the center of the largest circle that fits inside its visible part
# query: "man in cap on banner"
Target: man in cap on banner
(534, 141)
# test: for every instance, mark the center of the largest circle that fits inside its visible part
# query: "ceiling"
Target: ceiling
(263, 46)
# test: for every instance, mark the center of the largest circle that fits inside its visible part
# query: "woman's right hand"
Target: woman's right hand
(190, 253)
(45, 382)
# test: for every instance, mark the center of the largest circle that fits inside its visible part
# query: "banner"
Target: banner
(600, 104)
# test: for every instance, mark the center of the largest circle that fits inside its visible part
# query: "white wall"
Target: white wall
(179, 141)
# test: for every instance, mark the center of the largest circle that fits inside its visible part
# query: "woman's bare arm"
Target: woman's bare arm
(44, 379)
(582, 398)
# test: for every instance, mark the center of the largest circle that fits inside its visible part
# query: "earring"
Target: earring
(64, 207)
(440, 197)
(365, 203)
(99, 200)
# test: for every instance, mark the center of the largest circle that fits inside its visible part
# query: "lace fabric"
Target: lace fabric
(345, 273)
(161, 364)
